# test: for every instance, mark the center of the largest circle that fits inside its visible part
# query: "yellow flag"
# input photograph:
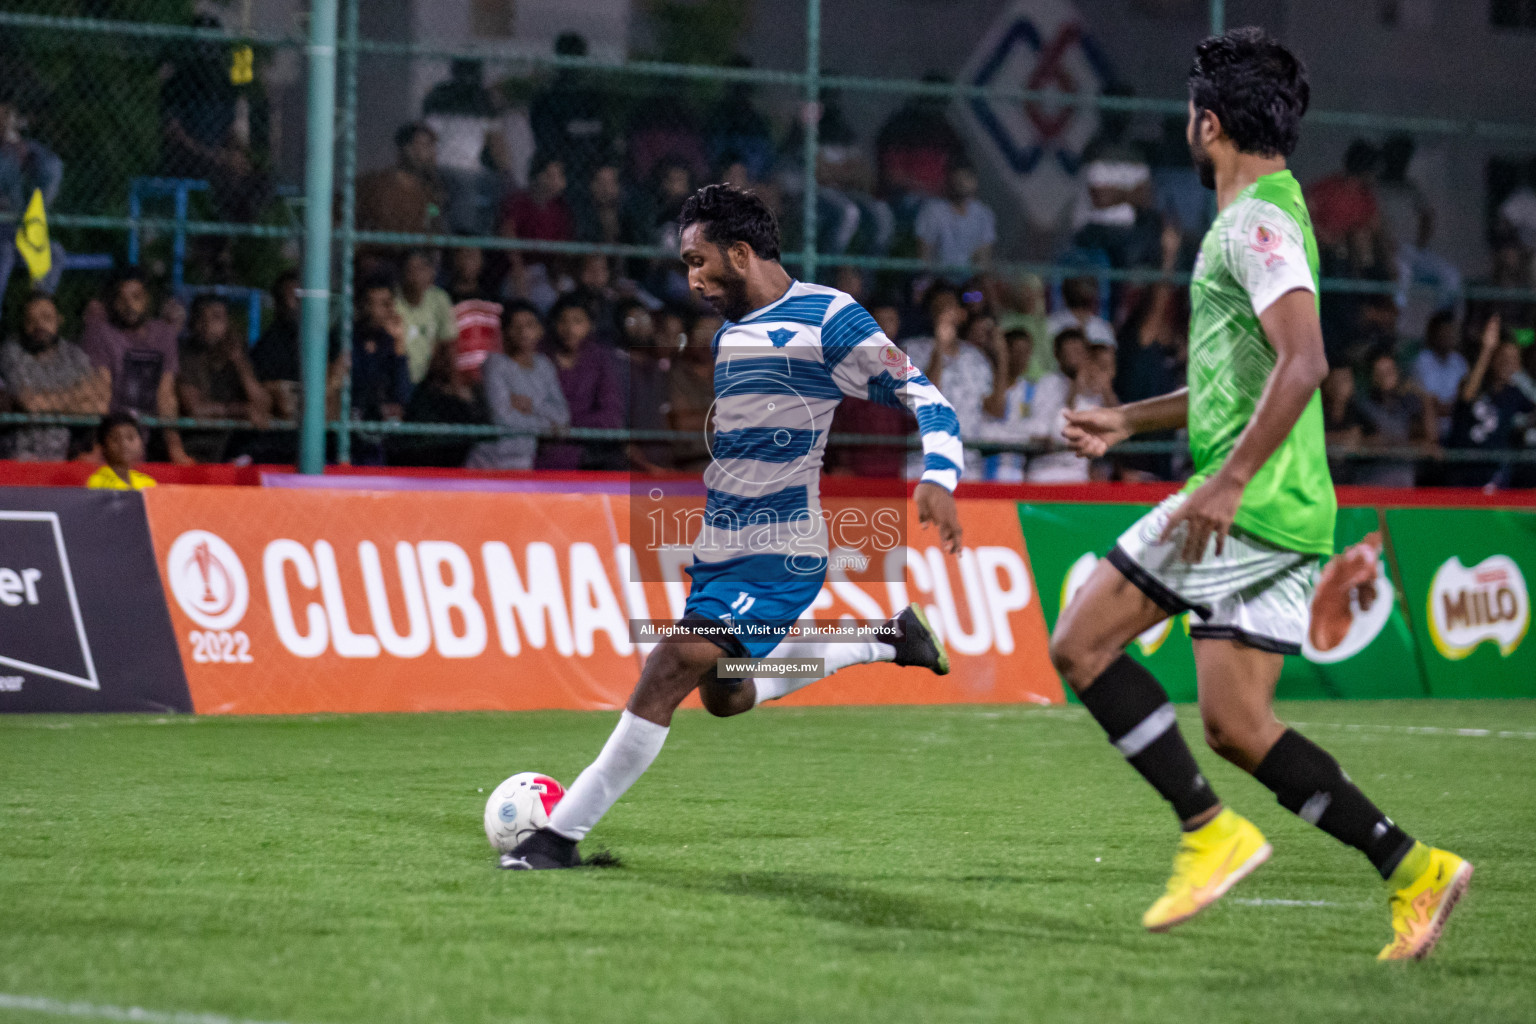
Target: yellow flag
(242, 65)
(32, 238)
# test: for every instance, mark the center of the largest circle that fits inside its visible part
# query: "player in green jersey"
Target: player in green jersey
(1239, 548)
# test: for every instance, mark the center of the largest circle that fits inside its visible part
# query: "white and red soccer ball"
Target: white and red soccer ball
(520, 807)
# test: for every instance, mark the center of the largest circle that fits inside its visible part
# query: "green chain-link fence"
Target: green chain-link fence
(182, 147)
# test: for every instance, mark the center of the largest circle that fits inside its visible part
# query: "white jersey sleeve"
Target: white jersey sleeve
(1267, 253)
(866, 364)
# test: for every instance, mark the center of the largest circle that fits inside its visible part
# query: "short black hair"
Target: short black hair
(111, 421)
(202, 302)
(283, 279)
(406, 133)
(516, 306)
(541, 160)
(1361, 157)
(122, 276)
(372, 283)
(730, 215)
(568, 302)
(1441, 318)
(430, 255)
(939, 287)
(1257, 89)
(1065, 335)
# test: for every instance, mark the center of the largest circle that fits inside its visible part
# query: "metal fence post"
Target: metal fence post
(318, 182)
(812, 127)
(1218, 17)
(348, 218)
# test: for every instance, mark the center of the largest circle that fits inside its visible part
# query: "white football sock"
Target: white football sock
(627, 754)
(836, 655)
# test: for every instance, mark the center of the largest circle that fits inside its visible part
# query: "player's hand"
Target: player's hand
(1209, 510)
(936, 506)
(1092, 432)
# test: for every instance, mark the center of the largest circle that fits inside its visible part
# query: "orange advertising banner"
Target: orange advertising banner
(303, 601)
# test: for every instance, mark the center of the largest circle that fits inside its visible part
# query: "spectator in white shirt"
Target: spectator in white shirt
(1010, 408)
(1081, 381)
(961, 372)
(1439, 369)
(958, 230)
(462, 113)
(1081, 298)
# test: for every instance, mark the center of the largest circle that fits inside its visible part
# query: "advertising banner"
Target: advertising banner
(1465, 574)
(296, 601)
(83, 624)
(1363, 653)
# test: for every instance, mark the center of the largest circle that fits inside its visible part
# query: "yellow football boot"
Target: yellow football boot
(1421, 906)
(1211, 859)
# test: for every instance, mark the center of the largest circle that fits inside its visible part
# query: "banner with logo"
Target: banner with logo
(83, 623)
(1351, 652)
(1465, 576)
(298, 601)
(1035, 149)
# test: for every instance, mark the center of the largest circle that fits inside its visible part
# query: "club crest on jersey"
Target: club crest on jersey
(1265, 238)
(780, 337)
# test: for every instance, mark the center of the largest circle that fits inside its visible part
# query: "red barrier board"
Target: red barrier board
(299, 601)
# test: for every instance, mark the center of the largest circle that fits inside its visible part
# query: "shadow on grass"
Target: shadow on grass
(836, 899)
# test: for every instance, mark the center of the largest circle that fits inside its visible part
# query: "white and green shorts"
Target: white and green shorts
(1253, 592)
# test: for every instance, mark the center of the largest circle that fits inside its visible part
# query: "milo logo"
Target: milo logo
(1486, 602)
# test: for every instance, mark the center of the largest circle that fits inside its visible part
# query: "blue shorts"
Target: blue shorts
(756, 598)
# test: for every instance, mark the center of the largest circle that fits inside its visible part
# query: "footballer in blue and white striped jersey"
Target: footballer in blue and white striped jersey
(780, 370)
(788, 353)
(780, 373)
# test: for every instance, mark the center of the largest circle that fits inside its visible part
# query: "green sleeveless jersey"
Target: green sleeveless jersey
(1260, 247)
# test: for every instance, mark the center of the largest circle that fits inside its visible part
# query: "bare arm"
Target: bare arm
(1473, 382)
(258, 404)
(1092, 432)
(89, 397)
(166, 408)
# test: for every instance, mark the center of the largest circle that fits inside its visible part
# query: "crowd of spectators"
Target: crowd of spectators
(608, 354)
(544, 337)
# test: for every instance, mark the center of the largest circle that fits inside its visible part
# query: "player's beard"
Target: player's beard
(1204, 165)
(733, 303)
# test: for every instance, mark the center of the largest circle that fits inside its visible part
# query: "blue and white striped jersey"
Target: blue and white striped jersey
(779, 376)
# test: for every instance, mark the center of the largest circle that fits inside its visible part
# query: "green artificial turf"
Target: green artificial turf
(882, 865)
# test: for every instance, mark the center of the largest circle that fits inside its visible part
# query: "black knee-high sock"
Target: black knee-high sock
(1133, 708)
(1309, 783)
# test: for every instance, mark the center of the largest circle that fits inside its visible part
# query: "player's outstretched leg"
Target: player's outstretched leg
(915, 645)
(1218, 848)
(672, 671)
(1236, 701)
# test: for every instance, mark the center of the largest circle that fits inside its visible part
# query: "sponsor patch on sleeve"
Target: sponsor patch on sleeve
(896, 361)
(1265, 238)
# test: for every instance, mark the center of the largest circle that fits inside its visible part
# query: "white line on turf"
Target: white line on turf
(1071, 713)
(1422, 730)
(95, 1011)
(1286, 903)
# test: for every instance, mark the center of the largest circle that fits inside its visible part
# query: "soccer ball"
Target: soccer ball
(520, 807)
